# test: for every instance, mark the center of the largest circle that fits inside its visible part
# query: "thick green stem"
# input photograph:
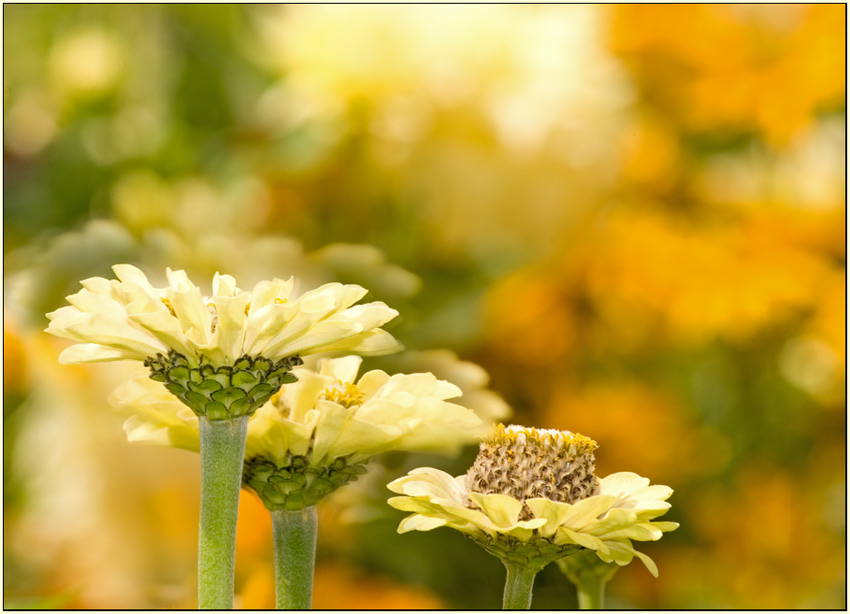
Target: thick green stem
(591, 590)
(294, 557)
(222, 455)
(518, 587)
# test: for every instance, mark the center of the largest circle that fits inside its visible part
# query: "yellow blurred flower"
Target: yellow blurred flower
(730, 66)
(475, 109)
(623, 415)
(531, 498)
(706, 282)
(338, 586)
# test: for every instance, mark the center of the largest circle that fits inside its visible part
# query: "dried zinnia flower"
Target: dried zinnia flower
(531, 498)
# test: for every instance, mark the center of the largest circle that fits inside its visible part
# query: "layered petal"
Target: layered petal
(132, 319)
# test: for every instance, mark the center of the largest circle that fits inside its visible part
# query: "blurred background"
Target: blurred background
(632, 217)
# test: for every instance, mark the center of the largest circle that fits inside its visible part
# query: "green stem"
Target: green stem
(518, 587)
(222, 455)
(294, 557)
(591, 590)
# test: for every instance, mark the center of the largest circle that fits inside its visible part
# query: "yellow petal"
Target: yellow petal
(333, 419)
(555, 513)
(503, 510)
(418, 522)
(582, 539)
(588, 510)
(166, 328)
(343, 369)
(232, 322)
(193, 315)
(622, 484)
(370, 343)
(91, 352)
(622, 553)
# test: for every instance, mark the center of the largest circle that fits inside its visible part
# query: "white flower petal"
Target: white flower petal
(372, 382)
(582, 539)
(343, 369)
(587, 511)
(503, 510)
(333, 419)
(232, 318)
(166, 328)
(312, 336)
(555, 513)
(302, 397)
(622, 484)
(272, 324)
(265, 293)
(419, 522)
(91, 352)
(370, 343)
(224, 285)
(129, 274)
(193, 315)
(274, 437)
(129, 314)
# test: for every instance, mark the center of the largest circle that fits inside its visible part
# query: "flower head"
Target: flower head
(531, 498)
(222, 355)
(317, 433)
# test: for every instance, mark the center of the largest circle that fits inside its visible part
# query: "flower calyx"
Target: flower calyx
(224, 392)
(532, 555)
(297, 484)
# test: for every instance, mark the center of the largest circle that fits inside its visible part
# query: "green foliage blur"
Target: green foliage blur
(631, 216)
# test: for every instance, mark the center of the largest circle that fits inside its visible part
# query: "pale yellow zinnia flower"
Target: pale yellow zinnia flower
(223, 355)
(317, 433)
(531, 498)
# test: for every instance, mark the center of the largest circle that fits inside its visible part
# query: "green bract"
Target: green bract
(225, 392)
(297, 484)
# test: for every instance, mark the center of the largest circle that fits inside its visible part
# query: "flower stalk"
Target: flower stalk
(518, 585)
(591, 593)
(222, 452)
(294, 535)
(589, 574)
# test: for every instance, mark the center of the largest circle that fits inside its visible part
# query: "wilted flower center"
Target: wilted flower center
(345, 394)
(525, 463)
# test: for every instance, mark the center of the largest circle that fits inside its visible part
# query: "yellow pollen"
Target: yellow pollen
(167, 303)
(279, 301)
(347, 395)
(557, 439)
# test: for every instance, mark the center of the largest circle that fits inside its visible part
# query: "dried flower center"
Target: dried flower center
(345, 394)
(525, 463)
